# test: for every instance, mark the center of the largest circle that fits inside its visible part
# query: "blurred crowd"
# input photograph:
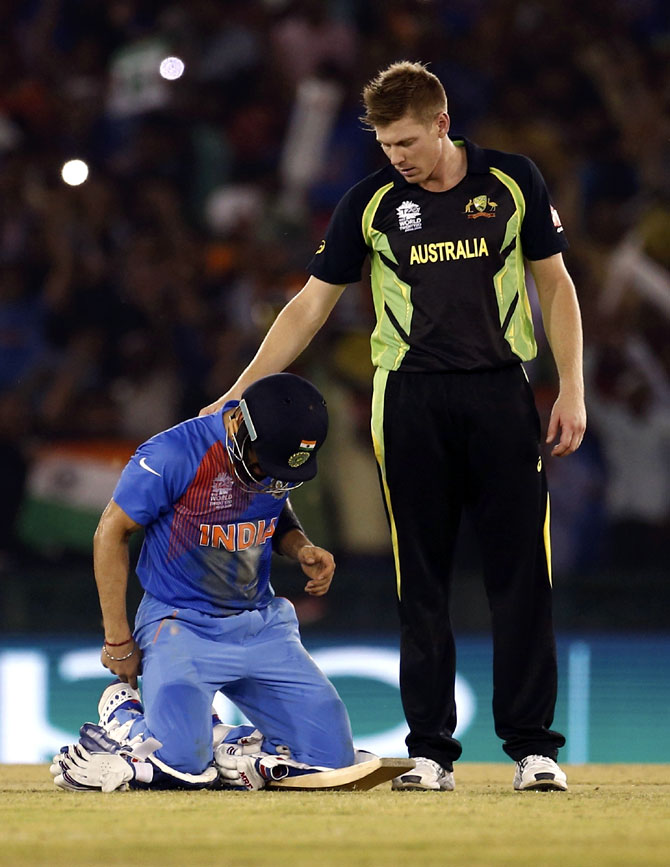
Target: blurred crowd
(133, 299)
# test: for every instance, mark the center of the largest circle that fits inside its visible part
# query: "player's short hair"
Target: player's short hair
(403, 88)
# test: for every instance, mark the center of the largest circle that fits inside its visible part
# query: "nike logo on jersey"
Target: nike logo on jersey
(145, 466)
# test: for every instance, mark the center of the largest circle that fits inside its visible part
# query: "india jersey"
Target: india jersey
(208, 542)
(447, 268)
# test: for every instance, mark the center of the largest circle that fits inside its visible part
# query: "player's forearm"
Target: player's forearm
(111, 565)
(291, 543)
(563, 326)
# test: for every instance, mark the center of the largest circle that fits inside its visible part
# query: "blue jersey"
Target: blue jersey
(208, 542)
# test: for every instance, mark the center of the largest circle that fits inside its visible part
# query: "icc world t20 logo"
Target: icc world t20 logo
(409, 217)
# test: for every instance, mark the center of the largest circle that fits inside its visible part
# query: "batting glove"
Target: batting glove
(98, 763)
(80, 771)
(249, 772)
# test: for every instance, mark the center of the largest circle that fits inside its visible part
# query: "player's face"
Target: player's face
(251, 463)
(415, 149)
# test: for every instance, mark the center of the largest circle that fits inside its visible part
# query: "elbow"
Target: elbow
(314, 304)
(99, 530)
(100, 535)
(112, 528)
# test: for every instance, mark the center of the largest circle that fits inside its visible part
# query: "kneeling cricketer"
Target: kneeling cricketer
(212, 496)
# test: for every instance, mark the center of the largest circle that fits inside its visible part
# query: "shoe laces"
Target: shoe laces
(439, 770)
(536, 759)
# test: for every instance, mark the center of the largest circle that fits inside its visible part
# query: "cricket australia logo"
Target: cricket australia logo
(480, 206)
(409, 216)
(222, 492)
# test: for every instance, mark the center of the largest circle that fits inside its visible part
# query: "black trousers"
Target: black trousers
(446, 442)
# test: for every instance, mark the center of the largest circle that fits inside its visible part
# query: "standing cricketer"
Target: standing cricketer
(449, 227)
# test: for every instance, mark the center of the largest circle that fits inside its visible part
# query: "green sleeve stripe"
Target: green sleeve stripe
(371, 210)
(520, 203)
(514, 189)
(512, 279)
(388, 347)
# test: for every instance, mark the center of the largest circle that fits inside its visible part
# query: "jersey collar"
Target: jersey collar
(477, 161)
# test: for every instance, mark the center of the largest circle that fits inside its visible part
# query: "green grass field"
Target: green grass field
(612, 815)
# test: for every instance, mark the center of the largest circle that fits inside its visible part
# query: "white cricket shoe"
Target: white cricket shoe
(539, 773)
(426, 776)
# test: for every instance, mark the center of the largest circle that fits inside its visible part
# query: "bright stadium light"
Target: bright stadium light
(74, 172)
(172, 68)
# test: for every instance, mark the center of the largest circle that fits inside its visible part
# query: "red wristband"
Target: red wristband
(120, 643)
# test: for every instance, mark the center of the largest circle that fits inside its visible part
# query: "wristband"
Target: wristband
(119, 644)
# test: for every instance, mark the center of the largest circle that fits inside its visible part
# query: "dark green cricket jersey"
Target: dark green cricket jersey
(447, 269)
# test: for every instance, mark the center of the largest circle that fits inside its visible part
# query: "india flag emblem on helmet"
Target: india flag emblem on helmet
(305, 453)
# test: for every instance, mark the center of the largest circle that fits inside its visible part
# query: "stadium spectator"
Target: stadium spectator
(596, 126)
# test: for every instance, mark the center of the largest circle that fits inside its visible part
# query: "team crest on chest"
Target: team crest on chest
(222, 492)
(480, 206)
(409, 217)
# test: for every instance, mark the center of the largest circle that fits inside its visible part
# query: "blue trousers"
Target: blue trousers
(257, 660)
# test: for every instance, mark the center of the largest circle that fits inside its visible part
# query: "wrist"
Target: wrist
(571, 388)
(109, 643)
(121, 657)
(291, 542)
(571, 380)
(297, 547)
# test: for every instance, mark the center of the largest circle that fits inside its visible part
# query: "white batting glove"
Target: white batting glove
(98, 762)
(80, 771)
(249, 772)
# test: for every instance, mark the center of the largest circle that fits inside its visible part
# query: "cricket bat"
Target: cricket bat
(353, 778)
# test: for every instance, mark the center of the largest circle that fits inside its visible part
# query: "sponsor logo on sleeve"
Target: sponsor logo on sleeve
(556, 220)
(145, 466)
